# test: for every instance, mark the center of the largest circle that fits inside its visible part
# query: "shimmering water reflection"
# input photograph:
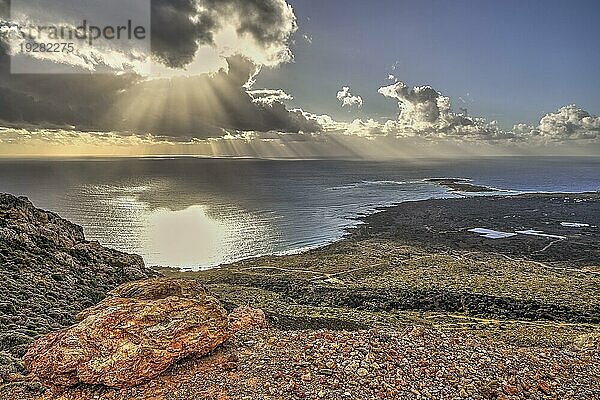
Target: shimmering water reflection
(188, 212)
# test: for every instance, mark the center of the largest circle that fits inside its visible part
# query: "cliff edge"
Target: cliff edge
(49, 273)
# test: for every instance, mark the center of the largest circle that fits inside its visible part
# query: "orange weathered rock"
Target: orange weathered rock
(132, 336)
(247, 318)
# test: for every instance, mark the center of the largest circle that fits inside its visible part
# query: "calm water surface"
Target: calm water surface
(193, 212)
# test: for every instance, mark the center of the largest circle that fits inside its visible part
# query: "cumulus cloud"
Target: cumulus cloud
(348, 99)
(253, 33)
(523, 129)
(179, 27)
(426, 112)
(569, 123)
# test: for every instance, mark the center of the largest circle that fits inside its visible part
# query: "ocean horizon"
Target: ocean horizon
(194, 213)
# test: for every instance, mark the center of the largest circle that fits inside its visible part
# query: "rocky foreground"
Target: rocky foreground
(131, 336)
(49, 273)
(416, 363)
(411, 305)
(165, 352)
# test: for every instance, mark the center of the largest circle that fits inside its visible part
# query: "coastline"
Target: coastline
(337, 198)
(454, 186)
(414, 275)
(391, 239)
(460, 187)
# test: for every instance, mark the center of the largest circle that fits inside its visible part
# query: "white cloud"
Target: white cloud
(207, 32)
(348, 99)
(426, 112)
(524, 129)
(569, 123)
(269, 96)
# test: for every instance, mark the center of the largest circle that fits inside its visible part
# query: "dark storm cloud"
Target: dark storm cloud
(219, 101)
(178, 30)
(66, 100)
(268, 21)
(186, 107)
(180, 26)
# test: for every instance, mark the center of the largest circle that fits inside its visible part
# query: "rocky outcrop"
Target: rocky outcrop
(247, 318)
(49, 273)
(132, 336)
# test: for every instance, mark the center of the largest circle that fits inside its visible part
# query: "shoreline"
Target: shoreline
(347, 274)
(361, 217)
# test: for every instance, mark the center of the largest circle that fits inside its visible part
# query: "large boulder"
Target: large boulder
(49, 272)
(132, 336)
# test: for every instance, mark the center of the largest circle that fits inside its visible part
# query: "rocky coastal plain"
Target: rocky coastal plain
(412, 304)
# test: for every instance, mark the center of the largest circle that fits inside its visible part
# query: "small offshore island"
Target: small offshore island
(414, 303)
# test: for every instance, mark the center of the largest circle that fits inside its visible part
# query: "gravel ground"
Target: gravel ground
(417, 363)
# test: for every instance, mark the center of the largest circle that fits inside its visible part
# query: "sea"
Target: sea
(196, 213)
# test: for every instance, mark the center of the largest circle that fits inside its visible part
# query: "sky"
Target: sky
(307, 78)
(509, 60)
